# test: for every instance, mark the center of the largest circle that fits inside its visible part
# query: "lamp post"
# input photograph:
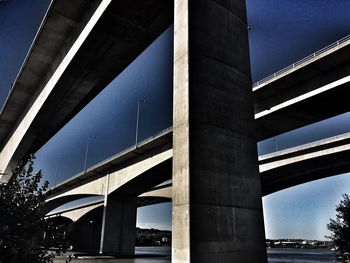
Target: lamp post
(87, 151)
(276, 143)
(56, 171)
(137, 119)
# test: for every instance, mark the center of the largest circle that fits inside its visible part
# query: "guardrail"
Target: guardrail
(302, 61)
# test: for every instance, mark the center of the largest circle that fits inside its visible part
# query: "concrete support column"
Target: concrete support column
(217, 210)
(119, 230)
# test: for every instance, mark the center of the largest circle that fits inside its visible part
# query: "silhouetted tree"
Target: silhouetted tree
(22, 225)
(340, 227)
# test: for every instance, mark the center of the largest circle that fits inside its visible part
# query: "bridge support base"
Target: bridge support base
(217, 209)
(119, 226)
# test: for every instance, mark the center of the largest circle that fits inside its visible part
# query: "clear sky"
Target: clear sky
(281, 33)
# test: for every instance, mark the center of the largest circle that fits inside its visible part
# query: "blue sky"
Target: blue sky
(281, 33)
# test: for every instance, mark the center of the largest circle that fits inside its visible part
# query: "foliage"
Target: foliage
(22, 225)
(340, 227)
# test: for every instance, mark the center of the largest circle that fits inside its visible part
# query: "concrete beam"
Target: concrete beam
(114, 36)
(134, 179)
(8, 161)
(146, 149)
(293, 98)
(59, 29)
(75, 215)
(156, 196)
(305, 163)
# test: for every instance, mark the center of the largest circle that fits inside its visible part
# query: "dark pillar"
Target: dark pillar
(217, 210)
(119, 231)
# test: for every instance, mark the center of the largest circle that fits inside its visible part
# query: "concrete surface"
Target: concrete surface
(119, 225)
(113, 37)
(297, 97)
(134, 179)
(305, 163)
(217, 211)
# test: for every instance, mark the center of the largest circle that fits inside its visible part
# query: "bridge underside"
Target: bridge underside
(312, 169)
(123, 31)
(326, 70)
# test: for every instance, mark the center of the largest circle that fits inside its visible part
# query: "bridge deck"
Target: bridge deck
(315, 89)
(305, 163)
(149, 147)
(109, 42)
(278, 170)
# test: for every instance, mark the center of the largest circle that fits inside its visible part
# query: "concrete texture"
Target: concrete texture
(119, 233)
(217, 211)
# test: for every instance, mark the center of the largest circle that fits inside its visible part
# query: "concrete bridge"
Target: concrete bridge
(211, 155)
(283, 101)
(86, 219)
(278, 171)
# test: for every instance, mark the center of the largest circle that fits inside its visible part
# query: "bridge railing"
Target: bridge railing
(302, 61)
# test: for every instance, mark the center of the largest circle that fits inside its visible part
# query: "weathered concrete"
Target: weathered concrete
(120, 225)
(217, 211)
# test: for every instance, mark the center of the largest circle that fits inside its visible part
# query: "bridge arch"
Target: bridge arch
(52, 204)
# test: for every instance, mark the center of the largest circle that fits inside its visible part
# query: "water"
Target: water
(300, 255)
(143, 255)
(275, 255)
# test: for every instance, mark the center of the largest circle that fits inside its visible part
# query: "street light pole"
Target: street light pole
(56, 171)
(276, 143)
(137, 119)
(87, 152)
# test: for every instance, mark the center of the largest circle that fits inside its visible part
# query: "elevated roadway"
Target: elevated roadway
(76, 53)
(159, 194)
(305, 163)
(287, 100)
(132, 172)
(278, 170)
(80, 47)
(310, 90)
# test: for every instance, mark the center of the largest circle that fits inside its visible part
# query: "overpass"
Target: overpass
(278, 170)
(74, 55)
(216, 126)
(284, 101)
(159, 194)
(296, 95)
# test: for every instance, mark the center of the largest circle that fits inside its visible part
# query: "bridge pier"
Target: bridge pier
(119, 226)
(217, 209)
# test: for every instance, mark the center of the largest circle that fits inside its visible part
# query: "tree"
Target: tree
(340, 227)
(22, 224)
